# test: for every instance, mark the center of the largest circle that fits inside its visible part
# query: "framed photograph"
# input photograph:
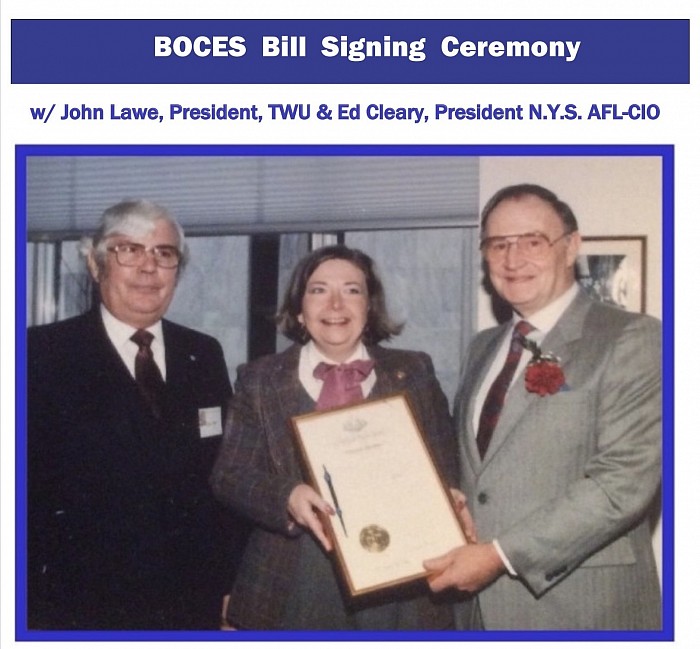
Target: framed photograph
(613, 270)
(393, 509)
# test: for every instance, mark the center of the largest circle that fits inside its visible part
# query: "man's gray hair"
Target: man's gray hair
(131, 218)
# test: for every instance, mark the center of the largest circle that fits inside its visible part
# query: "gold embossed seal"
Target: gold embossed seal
(374, 538)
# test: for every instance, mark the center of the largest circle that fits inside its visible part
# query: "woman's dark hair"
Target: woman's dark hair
(564, 212)
(379, 325)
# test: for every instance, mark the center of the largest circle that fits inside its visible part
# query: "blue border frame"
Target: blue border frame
(665, 152)
(613, 51)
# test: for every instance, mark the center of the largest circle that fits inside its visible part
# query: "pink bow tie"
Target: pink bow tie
(341, 383)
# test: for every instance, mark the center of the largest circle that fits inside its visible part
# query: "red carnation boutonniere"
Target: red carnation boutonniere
(543, 374)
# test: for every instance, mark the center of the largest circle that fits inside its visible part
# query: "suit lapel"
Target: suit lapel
(518, 400)
(560, 341)
(178, 363)
(281, 396)
(474, 375)
(105, 359)
(283, 388)
(391, 377)
(180, 397)
(115, 387)
(111, 374)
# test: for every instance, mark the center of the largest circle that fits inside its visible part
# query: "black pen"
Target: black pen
(329, 482)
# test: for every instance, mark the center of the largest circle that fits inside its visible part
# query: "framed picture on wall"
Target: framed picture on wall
(613, 270)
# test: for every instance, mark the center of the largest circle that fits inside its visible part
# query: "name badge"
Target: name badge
(210, 422)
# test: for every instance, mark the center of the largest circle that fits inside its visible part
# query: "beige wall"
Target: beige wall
(611, 196)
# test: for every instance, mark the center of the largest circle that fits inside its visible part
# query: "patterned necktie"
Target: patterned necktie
(148, 376)
(496, 395)
(341, 383)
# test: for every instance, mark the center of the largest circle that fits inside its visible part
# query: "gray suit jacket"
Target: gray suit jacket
(257, 469)
(567, 480)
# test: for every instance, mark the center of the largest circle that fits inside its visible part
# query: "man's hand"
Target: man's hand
(303, 505)
(468, 567)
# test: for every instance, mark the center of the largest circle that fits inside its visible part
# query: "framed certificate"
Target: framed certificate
(393, 510)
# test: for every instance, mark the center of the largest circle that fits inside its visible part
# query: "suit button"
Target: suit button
(482, 498)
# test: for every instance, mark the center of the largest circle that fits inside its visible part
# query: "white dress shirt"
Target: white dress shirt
(120, 334)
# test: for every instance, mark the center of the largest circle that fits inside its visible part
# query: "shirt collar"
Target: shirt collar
(314, 356)
(545, 319)
(119, 332)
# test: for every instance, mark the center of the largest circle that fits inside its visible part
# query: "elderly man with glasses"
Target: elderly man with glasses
(559, 417)
(124, 421)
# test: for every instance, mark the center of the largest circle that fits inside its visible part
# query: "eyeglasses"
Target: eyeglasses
(133, 254)
(532, 245)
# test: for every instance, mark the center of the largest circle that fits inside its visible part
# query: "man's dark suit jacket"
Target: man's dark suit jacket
(123, 532)
(258, 467)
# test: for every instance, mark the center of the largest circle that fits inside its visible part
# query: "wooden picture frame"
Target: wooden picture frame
(613, 270)
(393, 508)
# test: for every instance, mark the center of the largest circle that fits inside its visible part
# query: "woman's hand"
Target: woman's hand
(459, 501)
(303, 506)
(224, 625)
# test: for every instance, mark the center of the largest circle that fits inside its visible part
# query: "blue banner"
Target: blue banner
(350, 51)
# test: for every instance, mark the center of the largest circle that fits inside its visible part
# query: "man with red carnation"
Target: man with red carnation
(559, 417)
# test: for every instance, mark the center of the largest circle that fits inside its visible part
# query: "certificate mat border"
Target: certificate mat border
(337, 554)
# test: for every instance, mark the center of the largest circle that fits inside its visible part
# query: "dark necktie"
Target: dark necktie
(496, 395)
(341, 383)
(148, 376)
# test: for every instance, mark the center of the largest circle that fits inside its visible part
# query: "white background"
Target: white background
(678, 126)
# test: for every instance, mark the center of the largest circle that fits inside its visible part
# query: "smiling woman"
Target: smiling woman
(334, 311)
(334, 308)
